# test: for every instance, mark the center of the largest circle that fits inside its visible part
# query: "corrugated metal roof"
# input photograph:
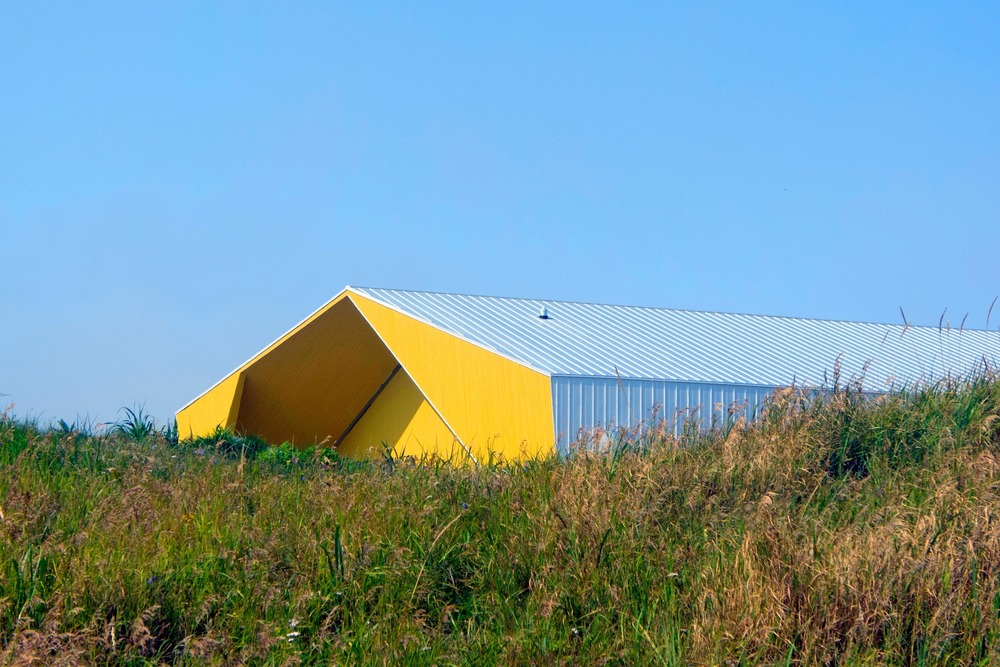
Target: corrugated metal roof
(585, 339)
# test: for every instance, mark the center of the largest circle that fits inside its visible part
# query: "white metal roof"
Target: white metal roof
(585, 339)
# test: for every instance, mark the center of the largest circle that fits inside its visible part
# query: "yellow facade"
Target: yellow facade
(401, 420)
(309, 389)
(217, 407)
(494, 405)
(362, 376)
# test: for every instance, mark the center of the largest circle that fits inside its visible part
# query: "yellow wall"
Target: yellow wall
(217, 407)
(491, 403)
(310, 388)
(402, 419)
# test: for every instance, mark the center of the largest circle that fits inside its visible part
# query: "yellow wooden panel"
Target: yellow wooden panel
(218, 407)
(304, 388)
(403, 420)
(309, 389)
(492, 404)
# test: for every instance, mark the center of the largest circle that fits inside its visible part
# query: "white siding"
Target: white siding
(582, 404)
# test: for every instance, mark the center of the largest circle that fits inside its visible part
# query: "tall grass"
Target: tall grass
(837, 529)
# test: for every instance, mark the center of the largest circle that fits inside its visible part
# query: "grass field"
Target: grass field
(838, 531)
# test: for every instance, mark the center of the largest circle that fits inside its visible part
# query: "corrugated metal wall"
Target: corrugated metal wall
(581, 404)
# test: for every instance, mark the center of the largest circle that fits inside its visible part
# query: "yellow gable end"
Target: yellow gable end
(494, 405)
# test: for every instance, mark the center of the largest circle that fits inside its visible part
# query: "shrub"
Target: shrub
(227, 443)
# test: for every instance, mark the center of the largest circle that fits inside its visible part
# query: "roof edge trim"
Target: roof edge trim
(633, 378)
(718, 383)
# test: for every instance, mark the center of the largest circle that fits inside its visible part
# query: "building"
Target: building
(464, 375)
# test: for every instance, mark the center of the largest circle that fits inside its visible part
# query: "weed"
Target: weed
(838, 528)
(170, 432)
(227, 443)
(135, 425)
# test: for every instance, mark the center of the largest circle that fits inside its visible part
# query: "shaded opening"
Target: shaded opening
(310, 388)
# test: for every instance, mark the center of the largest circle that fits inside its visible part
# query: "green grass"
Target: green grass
(837, 530)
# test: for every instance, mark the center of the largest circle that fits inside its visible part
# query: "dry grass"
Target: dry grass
(834, 531)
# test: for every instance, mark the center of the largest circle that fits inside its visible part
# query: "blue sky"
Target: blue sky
(181, 183)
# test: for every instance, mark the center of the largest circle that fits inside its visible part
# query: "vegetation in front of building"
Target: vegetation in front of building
(837, 529)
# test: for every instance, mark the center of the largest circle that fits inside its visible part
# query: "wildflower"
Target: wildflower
(291, 636)
(465, 506)
(200, 451)
(151, 580)
(302, 478)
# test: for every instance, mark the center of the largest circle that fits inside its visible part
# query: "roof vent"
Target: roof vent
(543, 313)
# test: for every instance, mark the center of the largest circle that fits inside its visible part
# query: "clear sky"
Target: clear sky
(180, 183)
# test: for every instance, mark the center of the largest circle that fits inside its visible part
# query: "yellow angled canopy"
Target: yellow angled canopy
(361, 377)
